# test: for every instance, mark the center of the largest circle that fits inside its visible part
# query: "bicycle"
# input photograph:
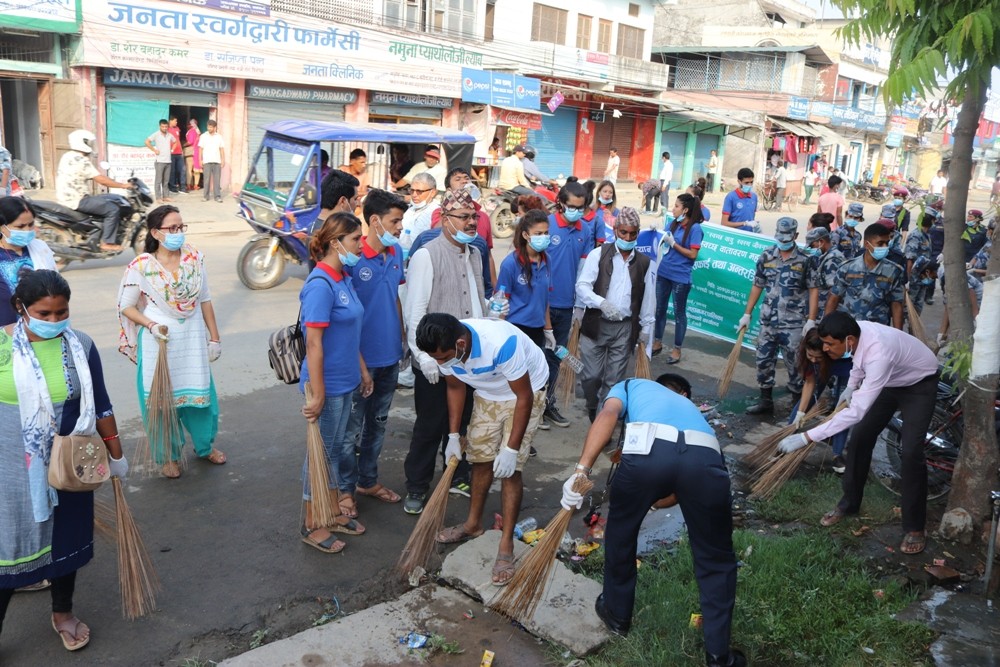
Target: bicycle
(768, 196)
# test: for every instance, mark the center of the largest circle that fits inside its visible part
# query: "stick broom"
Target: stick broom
(136, 574)
(325, 505)
(423, 539)
(734, 357)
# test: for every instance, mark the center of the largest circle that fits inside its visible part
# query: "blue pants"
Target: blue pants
(333, 427)
(699, 477)
(562, 322)
(680, 291)
(366, 431)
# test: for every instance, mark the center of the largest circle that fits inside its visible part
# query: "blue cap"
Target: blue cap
(888, 211)
(787, 227)
(856, 210)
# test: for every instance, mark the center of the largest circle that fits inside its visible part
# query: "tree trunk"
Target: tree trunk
(976, 470)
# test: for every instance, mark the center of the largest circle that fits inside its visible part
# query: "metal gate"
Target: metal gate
(617, 133)
(555, 143)
(264, 112)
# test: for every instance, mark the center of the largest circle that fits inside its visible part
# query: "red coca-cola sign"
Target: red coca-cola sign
(526, 119)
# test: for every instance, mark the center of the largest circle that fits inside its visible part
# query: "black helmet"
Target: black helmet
(529, 152)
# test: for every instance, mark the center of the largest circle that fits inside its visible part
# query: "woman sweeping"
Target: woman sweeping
(164, 295)
(51, 381)
(19, 249)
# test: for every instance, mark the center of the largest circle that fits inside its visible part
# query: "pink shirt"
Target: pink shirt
(830, 202)
(886, 357)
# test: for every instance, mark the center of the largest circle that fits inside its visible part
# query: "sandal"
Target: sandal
(69, 632)
(832, 517)
(216, 457)
(456, 534)
(913, 543)
(503, 569)
(347, 506)
(656, 350)
(383, 493)
(171, 470)
(350, 527)
(674, 359)
(330, 545)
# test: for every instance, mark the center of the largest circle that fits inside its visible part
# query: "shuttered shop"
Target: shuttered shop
(555, 143)
(616, 133)
(268, 104)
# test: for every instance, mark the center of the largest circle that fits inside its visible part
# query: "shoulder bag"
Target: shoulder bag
(78, 463)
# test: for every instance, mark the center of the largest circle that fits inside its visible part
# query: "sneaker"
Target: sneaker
(553, 416)
(414, 503)
(532, 452)
(929, 302)
(543, 425)
(839, 465)
(460, 489)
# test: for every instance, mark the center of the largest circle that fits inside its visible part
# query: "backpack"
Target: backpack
(286, 348)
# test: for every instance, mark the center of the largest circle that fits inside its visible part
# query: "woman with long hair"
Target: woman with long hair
(606, 210)
(332, 318)
(678, 251)
(524, 273)
(19, 250)
(164, 295)
(819, 372)
(51, 383)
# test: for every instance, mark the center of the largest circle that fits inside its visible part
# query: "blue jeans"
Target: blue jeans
(562, 322)
(664, 288)
(333, 427)
(837, 385)
(366, 431)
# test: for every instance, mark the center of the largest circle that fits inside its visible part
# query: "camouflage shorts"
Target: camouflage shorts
(490, 428)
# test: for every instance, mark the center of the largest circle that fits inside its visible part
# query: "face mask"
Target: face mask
(20, 237)
(454, 361)
(624, 245)
(539, 242)
(927, 281)
(462, 237)
(812, 252)
(897, 202)
(419, 205)
(786, 245)
(880, 253)
(851, 222)
(347, 258)
(747, 188)
(605, 200)
(572, 214)
(173, 241)
(45, 329)
(387, 239)
(968, 223)
(847, 353)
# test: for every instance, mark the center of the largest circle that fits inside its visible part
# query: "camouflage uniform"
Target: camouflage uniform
(918, 244)
(849, 244)
(868, 294)
(825, 267)
(783, 313)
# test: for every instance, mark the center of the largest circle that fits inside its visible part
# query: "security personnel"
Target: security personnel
(974, 235)
(786, 277)
(847, 239)
(900, 215)
(936, 234)
(870, 287)
(918, 245)
(827, 260)
(922, 277)
(669, 450)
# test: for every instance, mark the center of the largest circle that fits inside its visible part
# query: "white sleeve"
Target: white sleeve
(876, 374)
(419, 280)
(647, 311)
(585, 280)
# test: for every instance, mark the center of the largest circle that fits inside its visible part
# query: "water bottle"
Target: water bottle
(405, 242)
(525, 526)
(498, 302)
(574, 362)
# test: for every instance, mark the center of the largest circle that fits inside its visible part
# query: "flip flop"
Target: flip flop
(913, 543)
(171, 470)
(330, 545)
(352, 527)
(502, 574)
(350, 510)
(216, 457)
(832, 517)
(383, 493)
(455, 534)
(71, 627)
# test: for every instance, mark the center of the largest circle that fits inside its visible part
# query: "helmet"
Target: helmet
(901, 192)
(529, 152)
(937, 205)
(82, 140)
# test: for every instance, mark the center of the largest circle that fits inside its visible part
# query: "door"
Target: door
(555, 143)
(673, 143)
(612, 133)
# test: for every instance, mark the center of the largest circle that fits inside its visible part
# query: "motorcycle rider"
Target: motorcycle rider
(73, 190)
(531, 170)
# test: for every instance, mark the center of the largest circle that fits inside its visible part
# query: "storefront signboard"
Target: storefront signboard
(861, 119)
(168, 80)
(400, 99)
(512, 118)
(51, 16)
(798, 108)
(329, 95)
(249, 7)
(500, 89)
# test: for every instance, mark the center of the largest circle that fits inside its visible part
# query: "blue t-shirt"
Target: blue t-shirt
(376, 279)
(648, 401)
(740, 209)
(527, 304)
(676, 267)
(478, 243)
(648, 241)
(570, 243)
(329, 302)
(604, 220)
(706, 215)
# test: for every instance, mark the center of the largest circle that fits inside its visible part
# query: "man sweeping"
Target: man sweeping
(508, 373)
(669, 448)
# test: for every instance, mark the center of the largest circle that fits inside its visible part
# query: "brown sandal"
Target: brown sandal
(216, 457)
(383, 493)
(456, 534)
(503, 569)
(348, 507)
(913, 543)
(832, 517)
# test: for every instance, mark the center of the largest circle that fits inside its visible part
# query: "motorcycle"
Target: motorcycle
(75, 236)
(500, 204)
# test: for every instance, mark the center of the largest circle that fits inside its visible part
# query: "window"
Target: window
(630, 41)
(455, 18)
(490, 18)
(604, 36)
(584, 25)
(633, 9)
(548, 24)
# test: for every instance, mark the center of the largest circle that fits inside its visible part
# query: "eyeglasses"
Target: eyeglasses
(465, 217)
(176, 229)
(420, 192)
(574, 208)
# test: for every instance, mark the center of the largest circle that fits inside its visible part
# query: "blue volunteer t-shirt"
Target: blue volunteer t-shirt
(376, 279)
(478, 243)
(329, 302)
(740, 209)
(648, 401)
(676, 267)
(648, 241)
(604, 220)
(570, 243)
(527, 304)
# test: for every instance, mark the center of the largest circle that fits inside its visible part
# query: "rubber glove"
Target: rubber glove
(744, 322)
(119, 467)
(577, 314)
(667, 240)
(800, 417)
(845, 396)
(214, 350)
(793, 442)
(809, 325)
(611, 312)
(505, 464)
(571, 499)
(550, 339)
(430, 370)
(159, 331)
(453, 448)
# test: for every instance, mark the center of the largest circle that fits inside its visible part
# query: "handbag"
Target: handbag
(78, 463)
(286, 348)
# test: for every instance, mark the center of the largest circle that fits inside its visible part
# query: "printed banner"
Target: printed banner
(51, 15)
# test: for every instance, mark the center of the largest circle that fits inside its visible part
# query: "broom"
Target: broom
(519, 598)
(423, 538)
(734, 357)
(642, 370)
(104, 519)
(768, 447)
(163, 426)
(566, 384)
(325, 501)
(136, 575)
(916, 324)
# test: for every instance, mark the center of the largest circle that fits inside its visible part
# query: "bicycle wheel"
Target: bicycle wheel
(944, 436)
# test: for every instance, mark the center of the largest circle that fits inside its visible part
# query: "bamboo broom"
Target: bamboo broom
(768, 447)
(916, 324)
(519, 598)
(642, 370)
(734, 357)
(325, 501)
(136, 574)
(423, 539)
(566, 384)
(104, 519)
(162, 424)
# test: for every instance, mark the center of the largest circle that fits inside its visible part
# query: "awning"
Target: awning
(679, 118)
(798, 128)
(829, 137)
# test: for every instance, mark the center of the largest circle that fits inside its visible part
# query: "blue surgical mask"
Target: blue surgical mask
(679, 218)
(968, 223)
(851, 222)
(21, 237)
(927, 281)
(572, 214)
(605, 200)
(812, 252)
(463, 237)
(880, 253)
(348, 258)
(45, 329)
(624, 245)
(786, 245)
(387, 239)
(173, 241)
(897, 202)
(454, 361)
(847, 353)
(539, 242)
(747, 188)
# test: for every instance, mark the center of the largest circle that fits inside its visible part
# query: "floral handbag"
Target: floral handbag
(78, 463)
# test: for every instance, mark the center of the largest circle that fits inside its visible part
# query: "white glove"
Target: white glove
(214, 350)
(845, 396)
(159, 331)
(744, 322)
(800, 417)
(940, 339)
(577, 314)
(667, 240)
(611, 312)
(453, 448)
(550, 339)
(505, 463)
(793, 442)
(119, 467)
(571, 499)
(808, 326)
(430, 370)
(505, 311)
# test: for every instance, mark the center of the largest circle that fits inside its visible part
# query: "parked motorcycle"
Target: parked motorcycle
(498, 205)
(75, 236)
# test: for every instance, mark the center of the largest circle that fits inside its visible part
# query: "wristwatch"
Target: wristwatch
(584, 469)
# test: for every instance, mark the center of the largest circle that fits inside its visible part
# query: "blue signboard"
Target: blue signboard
(500, 89)
(824, 109)
(476, 86)
(856, 118)
(798, 108)
(527, 92)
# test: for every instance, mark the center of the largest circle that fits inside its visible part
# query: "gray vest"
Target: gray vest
(450, 291)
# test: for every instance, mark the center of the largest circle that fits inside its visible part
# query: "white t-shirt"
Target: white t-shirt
(501, 353)
(938, 184)
(781, 177)
(73, 178)
(211, 146)
(667, 172)
(612, 171)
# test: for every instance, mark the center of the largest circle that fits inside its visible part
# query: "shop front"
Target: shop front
(268, 103)
(385, 107)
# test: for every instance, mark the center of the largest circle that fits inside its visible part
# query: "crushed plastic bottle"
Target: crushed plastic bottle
(574, 362)
(525, 525)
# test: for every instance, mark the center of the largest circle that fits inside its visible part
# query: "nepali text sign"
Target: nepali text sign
(293, 94)
(860, 119)
(140, 79)
(52, 15)
(403, 100)
(798, 108)
(500, 89)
